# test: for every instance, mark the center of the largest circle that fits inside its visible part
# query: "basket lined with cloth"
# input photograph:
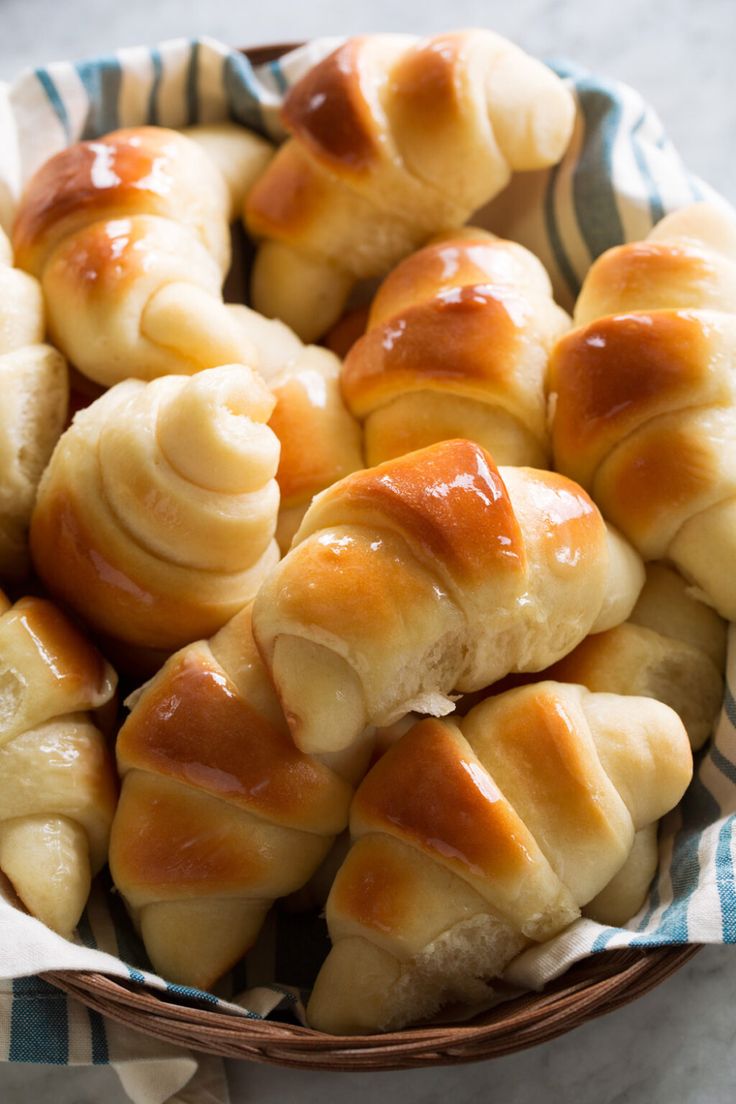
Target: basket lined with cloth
(619, 177)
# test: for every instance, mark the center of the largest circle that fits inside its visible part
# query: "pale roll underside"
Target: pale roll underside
(672, 648)
(35, 389)
(320, 440)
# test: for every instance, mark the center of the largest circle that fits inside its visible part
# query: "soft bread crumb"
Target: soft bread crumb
(455, 968)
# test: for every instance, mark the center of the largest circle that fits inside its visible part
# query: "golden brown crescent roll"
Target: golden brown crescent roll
(220, 813)
(472, 842)
(320, 439)
(644, 402)
(672, 648)
(129, 237)
(393, 139)
(34, 393)
(155, 519)
(57, 780)
(428, 574)
(458, 341)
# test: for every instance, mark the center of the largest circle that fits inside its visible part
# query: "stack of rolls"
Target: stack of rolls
(316, 561)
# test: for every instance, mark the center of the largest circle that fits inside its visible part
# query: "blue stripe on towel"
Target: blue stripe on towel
(555, 238)
(656, 207)
(278, 75)
(102, 80)
(158, 68)
(595, 200)
(98, 1038)
(191, 993)
(39, 1023)
(241, 92)
(725, 881)
(602, 940)
(192, 90)
(724, 765)
(57, 103)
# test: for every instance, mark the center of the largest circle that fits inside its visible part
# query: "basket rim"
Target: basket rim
(591, 988)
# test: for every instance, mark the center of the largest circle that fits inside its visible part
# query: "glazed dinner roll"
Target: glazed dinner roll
(644, 402)
(210, 772)
(57, 780)
(34, 386)
(320, 440)
(393, 138)
(130, 239)
(672, 648)
(430, 574)
(472, 842)
(155, 519)
(458, 341)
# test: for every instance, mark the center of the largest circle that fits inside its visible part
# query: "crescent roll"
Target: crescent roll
(220, 813)
(129, 236)
(155, 519)
(393, 139)
(472, 842)
(672, 648)
(458, 343)
(644, 400)
(429, 574)
(57, 779)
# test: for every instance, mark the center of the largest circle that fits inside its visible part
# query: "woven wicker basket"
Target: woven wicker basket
(598, 985)
(590, 989)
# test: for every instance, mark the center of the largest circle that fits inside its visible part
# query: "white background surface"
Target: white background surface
(678, 1044)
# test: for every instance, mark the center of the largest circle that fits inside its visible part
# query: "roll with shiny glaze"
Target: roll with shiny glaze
(644, 402)
(57, 779)
(129, 236)
(393, 139)
(220, 813)
(429, 574)
(458, 342)
(155, 519)
(473, 842)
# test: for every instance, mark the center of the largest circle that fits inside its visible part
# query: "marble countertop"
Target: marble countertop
(677, 1045)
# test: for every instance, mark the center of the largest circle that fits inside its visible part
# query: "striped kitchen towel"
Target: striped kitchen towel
(621, 174)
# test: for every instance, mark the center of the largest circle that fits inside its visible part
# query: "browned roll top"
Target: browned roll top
(251, 763)
(330, 110)
(79, 669)
(450, 499)
(134, 171)
(453, 810)
(621, 371)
